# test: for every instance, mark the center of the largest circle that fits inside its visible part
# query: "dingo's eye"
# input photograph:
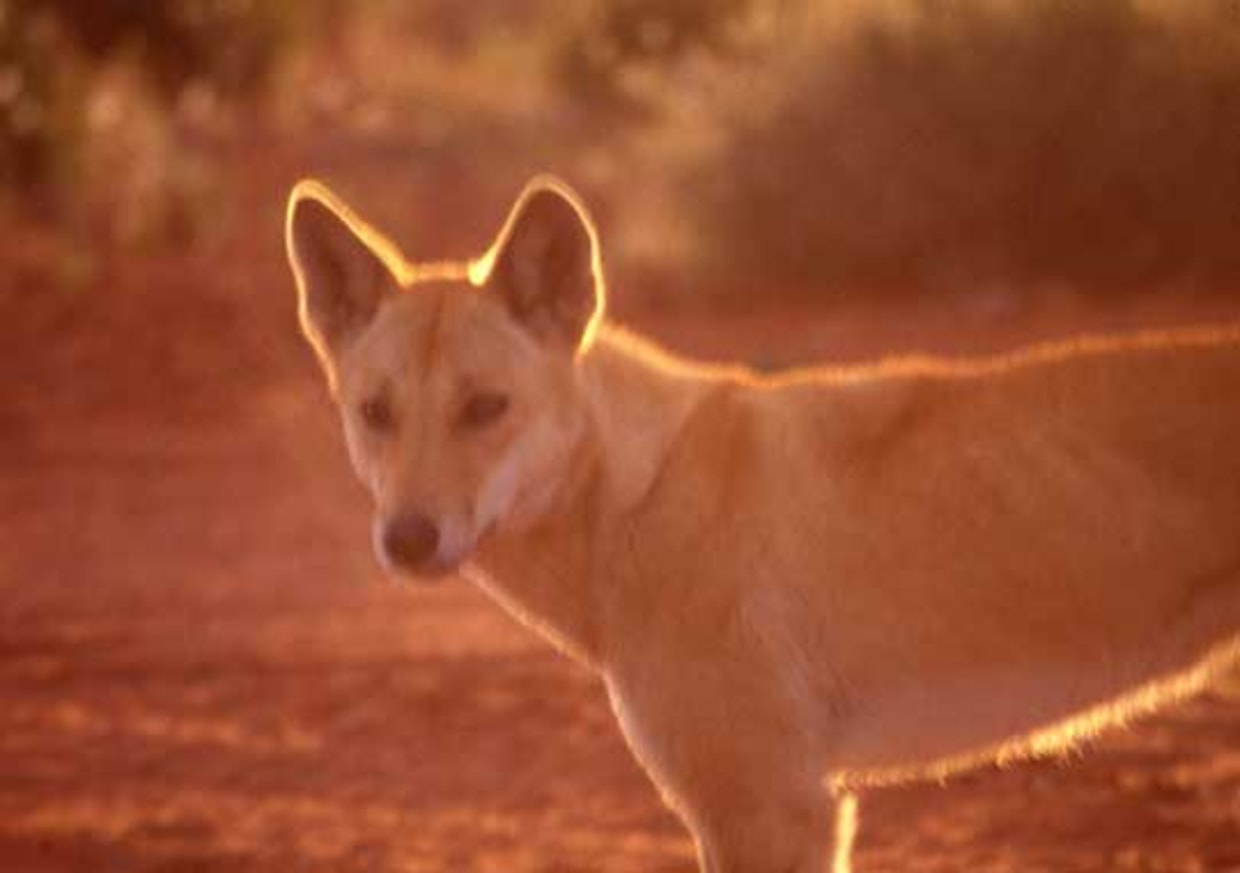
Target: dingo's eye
(482, 409)
(376, 413)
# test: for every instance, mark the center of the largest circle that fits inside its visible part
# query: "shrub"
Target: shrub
(52, 53)
(601, 49)
(35, 100)
(1080, 142)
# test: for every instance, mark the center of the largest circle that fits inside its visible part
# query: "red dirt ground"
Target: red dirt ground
(202, 670)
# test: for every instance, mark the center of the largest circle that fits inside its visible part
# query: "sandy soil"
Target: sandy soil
(202, 670)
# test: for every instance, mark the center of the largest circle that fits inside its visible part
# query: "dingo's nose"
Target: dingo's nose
(410, 540)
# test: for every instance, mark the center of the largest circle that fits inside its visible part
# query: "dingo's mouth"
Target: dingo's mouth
(430, 572)
(430, 575)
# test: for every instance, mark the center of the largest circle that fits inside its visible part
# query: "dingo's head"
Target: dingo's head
(457, 383)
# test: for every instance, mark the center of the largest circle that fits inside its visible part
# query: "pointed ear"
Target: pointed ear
(545, 266)
(341, 279)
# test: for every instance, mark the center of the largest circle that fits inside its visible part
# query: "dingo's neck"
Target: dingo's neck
(552, 574)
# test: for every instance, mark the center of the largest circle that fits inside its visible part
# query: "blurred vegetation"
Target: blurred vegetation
(610, 43)
(77, 76)
(1084, 144)
(788, 144)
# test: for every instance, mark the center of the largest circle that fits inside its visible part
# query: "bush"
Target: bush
(34, 99)
(1050, 141)
(52, 53)
(601, 49)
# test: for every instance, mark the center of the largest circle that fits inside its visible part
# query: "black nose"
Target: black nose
(410, 540)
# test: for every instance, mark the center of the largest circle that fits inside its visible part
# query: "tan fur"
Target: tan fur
(794, 586)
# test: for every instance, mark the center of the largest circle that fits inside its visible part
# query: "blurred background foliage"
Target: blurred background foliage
(762, 146)
(1049, 142)
(99, 97)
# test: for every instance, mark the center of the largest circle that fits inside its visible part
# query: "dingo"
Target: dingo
(791, 586)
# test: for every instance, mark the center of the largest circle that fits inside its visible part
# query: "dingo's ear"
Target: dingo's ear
(341, 277)
(545, 265)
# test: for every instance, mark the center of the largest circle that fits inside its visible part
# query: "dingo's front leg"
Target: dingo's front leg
(743, 774)
(803, 832)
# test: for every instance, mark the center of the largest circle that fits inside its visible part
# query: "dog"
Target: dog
(794, 586)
